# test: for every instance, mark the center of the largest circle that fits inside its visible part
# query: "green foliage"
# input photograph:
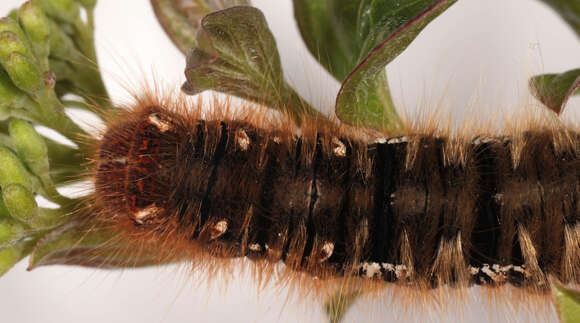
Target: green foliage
(181, 20)
(568, 10)
(34, 37)
(35, 23)
(29, 145)
(76, 243)
(237, 54)
(11, 231)
(554, 90)
(13, 170)
(20, 202)
(355, 40)
(11, 255)
(359, 100)
(319, 27)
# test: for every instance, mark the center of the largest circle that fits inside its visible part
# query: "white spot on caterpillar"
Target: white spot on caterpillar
(501, 269)
(242, 140)
(255, 247)
(219, 229)
(146, 213)
(484, 140)
(338, 147)
(388, 267)
(491, 273)
(522, 270)
(381, 140)
(401, 271)
(371, 269)
(398, 140)
(276, 139)
(473, 270)
(162, 125)
(326, 251)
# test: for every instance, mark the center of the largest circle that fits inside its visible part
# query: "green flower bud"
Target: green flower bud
(62, 10)
(20, 202)
(24, 72)
(36, 26)
(61, 45)
(3, 210)
(30, 146)
(13, 14)
(9, 257)
(10, 231)
(10, 43)
(11, 170)
(9, 24)
(12, 98)
(8, 92)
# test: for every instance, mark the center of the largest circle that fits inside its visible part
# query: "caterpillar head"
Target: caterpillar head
(136, 159)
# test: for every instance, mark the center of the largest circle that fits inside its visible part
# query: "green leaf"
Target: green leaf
(363, 99)
(11, 255)
(330, 30)
(567, 302)
(569, 10)
(181, 20)
(237, 54)
(554, 90)
(11, 231)
(81, 244)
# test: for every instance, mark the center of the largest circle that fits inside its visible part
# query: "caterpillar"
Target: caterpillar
(418, 209)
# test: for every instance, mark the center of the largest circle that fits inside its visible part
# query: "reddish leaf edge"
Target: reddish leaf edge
(570, 93)
(556, 109)
(386, 42)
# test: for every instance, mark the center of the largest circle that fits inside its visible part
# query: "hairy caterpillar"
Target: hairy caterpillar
(250, 318)
(421, 209)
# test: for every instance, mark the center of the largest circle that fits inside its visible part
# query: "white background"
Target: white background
(478, 56)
